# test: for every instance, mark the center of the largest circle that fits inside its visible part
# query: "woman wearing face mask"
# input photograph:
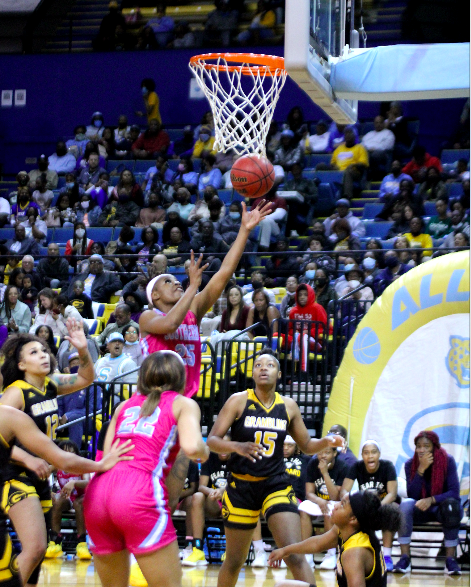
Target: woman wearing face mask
(79, 244)
(370, 267)
(96, 127)
(290, 298)
(132, 347)
(185, 172)
(87, 211)
(229, 225)
(309, 274)
(355, 278)
(128, 184)
(376, 247)
(341, 281)
(325, 293)
(72, 188)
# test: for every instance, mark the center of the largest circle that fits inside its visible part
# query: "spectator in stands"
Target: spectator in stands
(122, 130)
(344, 240)
(182, 204)
(212, 245)
(432, 187)
(28, 267)
(269, 226)
(280, 265)
(337, 135)
(289, 299)
(318, 142)
(390, 185)
(433, 492)
(98, 285)
(114, 364)
(95, 129)
(440, 226)
(379, 143)
(89, 175)
(405, 197)
(183, 147)
(358, 229)
(204, 145)
(45, 315)
(461, 240)
(300, 213)
(273, 137)
(176, 249)
(228, 226)
(204, 282)
(72, 188)
(262, 311)
(394, 269)
(107, 142)
(186, 173)
(354, 278)
(210, 175)
(352, 159)
(119, 213)
(14, 314)
(279, 171)
(29, 293)
(217, 212)
(18, 210)
(54, 269)
(123, 146)
(61, 161)
(62, 214)
(396, 123)
(34, 226)
(104, 41)
(154, 214)
(125, 264)
(160, 172)
(464, 199)
(417, 236)
(221, 23)
(173, 219)
(122, 315)
(64, 311)
(46, 334)
(309, 273)
(325, 293)
(152, 142)
(41, 195)
(125, 237)
(201, 208)
(65, 349)
(52, 178)
(401, 224)
(290, 151)
(79, 244)
(16, 278)
(87, 211)
(128, 184)
(184, 36)
(134, 298)
(316, 244)
(91, 147)
(458, 224)
(146, 39)
(295, 122)
(151, 103)
(458, 205)
(234, 317)
(132, 348)
(405, 257)
(5, 211)
(79, 300)
(150, 246)
(257, 281)
(77, 145)
(262, 26)
(162, 26)
(421, 161)
(22, 245)
(97, 249)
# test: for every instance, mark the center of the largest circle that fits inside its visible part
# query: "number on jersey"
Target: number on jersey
(132, 424)
(52, 422)
(187, 353)
(268, 441)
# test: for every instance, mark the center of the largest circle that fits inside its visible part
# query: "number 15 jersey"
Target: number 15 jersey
(266, 426)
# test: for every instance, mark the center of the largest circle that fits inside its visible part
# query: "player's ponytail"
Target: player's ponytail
(371, 515)
(160, 371)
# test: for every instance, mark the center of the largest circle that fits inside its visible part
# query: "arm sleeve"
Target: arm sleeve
(197, 148)
(24, 323)
(452, 483)
(414, 486)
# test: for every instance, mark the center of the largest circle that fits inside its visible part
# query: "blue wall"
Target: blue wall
(64, 90)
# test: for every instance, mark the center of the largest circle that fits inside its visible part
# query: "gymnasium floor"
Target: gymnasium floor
(68, 572)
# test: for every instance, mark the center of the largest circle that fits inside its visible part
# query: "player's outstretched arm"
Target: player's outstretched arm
(188, 415)
(205, 299)
(309, 546)
(18, 425)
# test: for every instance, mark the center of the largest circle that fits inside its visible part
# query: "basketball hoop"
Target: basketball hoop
(242, 90)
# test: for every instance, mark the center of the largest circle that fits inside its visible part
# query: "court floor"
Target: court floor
(68, 572)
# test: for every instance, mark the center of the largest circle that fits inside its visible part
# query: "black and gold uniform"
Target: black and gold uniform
(9, 576)
(378, 575)
(20, 483)
(262, 486)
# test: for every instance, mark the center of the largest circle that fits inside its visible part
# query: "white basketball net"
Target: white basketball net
(242, 99)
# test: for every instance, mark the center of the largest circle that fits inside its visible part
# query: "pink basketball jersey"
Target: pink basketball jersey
(186, 342)
(154, 437)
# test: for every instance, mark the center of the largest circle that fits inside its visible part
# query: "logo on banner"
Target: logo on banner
(457, 361)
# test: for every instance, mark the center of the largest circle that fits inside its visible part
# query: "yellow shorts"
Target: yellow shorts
(22, 487)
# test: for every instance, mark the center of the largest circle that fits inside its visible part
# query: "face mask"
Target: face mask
(391, 261)
(130, 343)
(349, 267)
(354, 283)
(369, 263)
(257, 284)
(85, 205)
(144, 91)
(181, 167)
(70, 185)
(80, 232)
(80, 137)
(320, 281)
(97, 123)
(23, 180)
(204, 138)
(74, 369)
(234, 215)
(310, 273)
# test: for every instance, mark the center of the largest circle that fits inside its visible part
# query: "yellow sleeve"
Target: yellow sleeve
(269, 20)
(362, 156)
(333, 160)
(212, 141)
(197, 148)
(427, 242)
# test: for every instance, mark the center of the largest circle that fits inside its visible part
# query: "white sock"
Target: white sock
(332, 551)
(258, 545)
(387, 551)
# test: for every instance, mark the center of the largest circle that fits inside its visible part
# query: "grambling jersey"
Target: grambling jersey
(378, 575)
(8, 564)
(186, 342)
(266, 426)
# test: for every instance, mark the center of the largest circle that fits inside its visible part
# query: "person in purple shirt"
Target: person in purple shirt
(390, 186)
(433, 490)
(209, 175)
(336, 135)
(162, 26)
(394, 269)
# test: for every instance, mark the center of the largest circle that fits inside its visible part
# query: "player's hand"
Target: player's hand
(336, 440)
(425, 461)
(424, 504)
(38, 466)
(275, 557)
(195, 271)
(251, 219)
(68, 488)
(76, 335)
(250, 450)
(116, 455)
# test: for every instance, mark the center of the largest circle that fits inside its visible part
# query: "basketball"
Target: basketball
(252, 176)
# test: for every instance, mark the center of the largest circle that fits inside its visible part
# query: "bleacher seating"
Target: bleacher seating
(453, 155)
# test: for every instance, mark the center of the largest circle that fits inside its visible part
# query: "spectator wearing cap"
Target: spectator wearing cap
(52, 179)
(289, 152)
(74, 405)
(98, 284)
(358, 229)
(280, 266)
(318, 142)
(122, 316)
(205, 143)
(61, 161)
(183, 147)
(393, 270)
(210, 174)
(352, 159)
(116, 363)
(152, 142)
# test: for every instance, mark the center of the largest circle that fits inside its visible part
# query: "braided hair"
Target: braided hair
(439, 466)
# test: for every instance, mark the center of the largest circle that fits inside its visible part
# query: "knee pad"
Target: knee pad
(450, 511)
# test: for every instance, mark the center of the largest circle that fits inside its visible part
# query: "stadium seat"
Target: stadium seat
(370, 211)
(452, 155)
(101, 234)
(98, 309)
(430, 208)
(7, 233)
(94, 326)
(455, 190)
(315, 158)
(62, 235)
(377, 229)
(111, 165)
(137, 236)
(109, 309)
(142, 165)
(326, 200)
(61, 182)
